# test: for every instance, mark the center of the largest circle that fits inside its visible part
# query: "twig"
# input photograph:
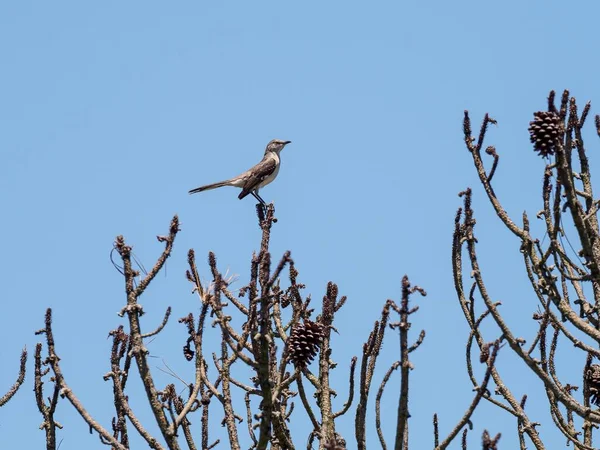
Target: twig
(49, 424)
(436, 431)
(15, 387)
(160, 327)
(65, 391)
(378, 403)
(134, 311)
(307, 407)
(480, 391)
(348, 403)
(403, 326)
(168, 240)
(463, 233)
(370, 352)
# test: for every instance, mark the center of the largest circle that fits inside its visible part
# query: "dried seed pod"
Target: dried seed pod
(485, 353)
(304, 341)
(188, 353)
(592, 381)
(544, 131)
(335, 444)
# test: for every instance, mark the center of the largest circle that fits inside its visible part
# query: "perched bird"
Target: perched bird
(257, 177)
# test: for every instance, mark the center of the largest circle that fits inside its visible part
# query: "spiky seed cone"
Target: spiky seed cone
(304, 341)
(543, 132)
(592, 380)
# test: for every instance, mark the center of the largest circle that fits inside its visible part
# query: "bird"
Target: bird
(255, 178)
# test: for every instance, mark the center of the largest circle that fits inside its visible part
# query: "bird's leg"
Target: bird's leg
(257, 197)
(262, 202)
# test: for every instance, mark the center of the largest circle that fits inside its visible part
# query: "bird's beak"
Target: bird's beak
(287, 142)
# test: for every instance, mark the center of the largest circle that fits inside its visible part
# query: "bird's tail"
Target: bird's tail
(211, 186)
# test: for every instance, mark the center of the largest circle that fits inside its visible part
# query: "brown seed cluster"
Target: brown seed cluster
(333, 445)
(485, 353)
(304, 341)
(543, 131)
(592, 379)
(188, 353)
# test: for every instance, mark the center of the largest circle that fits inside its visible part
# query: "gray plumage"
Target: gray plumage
(257, 177)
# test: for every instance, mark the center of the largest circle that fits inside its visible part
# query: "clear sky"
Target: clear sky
(111, 111)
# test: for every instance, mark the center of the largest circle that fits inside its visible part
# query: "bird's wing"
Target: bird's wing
(257, 174)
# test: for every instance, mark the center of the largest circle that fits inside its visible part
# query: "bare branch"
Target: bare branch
(378, 402)
(15, 387)
(160, 327)
(351, 390)
(480, 391)
(62, 387)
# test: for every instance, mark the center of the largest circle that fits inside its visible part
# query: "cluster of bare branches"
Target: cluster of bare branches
(268, 335)
(565, 280)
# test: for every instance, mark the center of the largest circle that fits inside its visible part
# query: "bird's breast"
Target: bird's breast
(272, 176)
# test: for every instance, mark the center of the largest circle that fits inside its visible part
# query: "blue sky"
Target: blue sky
(110, 112)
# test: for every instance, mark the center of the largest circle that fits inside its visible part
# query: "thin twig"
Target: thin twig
(15, 387)
(480, 391)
